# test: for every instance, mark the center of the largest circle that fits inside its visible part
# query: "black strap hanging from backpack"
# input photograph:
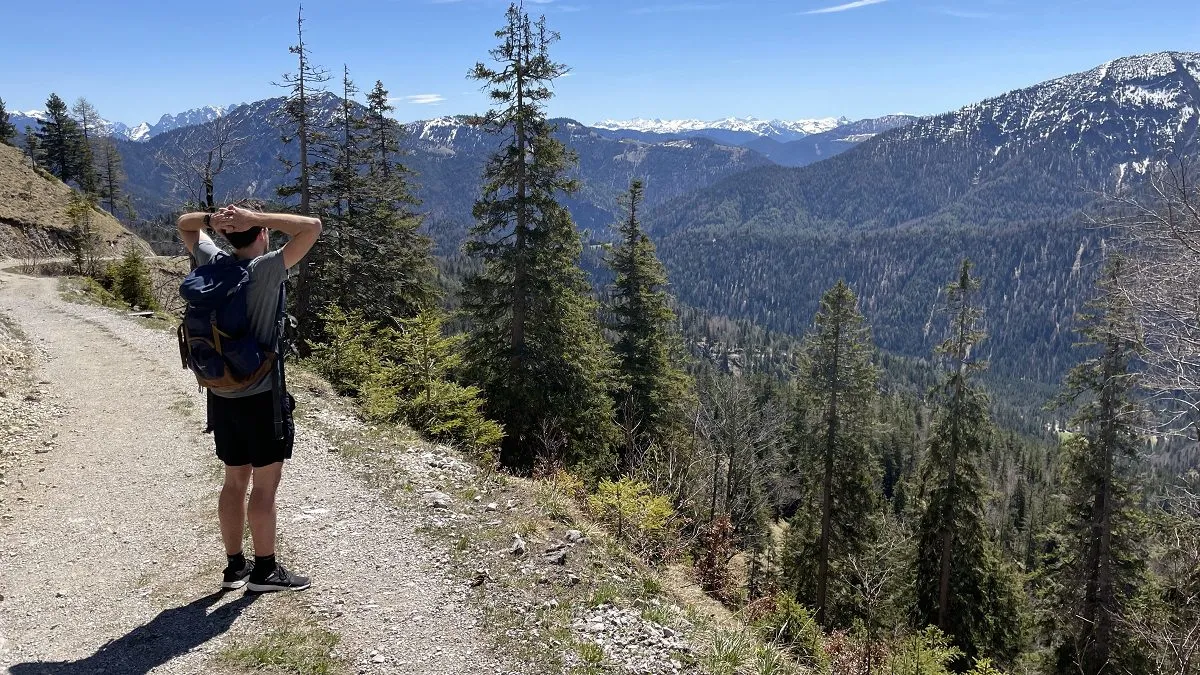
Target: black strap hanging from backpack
(279, 382)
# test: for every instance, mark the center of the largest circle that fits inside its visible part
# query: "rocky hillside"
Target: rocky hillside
(33, 212)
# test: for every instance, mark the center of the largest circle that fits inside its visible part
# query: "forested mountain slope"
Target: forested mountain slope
(1002, 182)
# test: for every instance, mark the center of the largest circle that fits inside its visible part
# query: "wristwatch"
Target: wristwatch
(207, 216)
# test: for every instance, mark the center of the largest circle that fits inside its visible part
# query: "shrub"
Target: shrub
(348, 356)
(928, 652)
(852, 653)
(557, 492)
(403, 375)
(790, 625)
(131, 280)
(636, 515)
(715, 548)
(985, 667)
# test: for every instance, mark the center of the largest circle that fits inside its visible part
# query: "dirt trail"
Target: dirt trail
(109, 552)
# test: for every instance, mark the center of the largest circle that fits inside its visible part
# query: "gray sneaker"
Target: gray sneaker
(278, 580)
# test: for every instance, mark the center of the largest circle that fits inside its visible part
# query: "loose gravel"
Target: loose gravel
(109, 552)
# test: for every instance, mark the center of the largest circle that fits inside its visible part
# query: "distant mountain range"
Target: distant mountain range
(1003, 182)
(142, 131)
(730, 129)
(447, 156)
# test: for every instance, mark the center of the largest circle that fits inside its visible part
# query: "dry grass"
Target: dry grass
(33, 216)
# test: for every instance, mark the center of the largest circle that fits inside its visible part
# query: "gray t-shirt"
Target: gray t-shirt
(267, 274)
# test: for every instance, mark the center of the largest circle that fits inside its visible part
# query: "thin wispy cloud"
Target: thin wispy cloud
(678, 8)
(420, 99)
(844, 8)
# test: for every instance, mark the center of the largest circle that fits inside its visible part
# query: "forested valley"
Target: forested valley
(924, 407)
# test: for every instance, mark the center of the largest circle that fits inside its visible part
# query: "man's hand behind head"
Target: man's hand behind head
(234, 219)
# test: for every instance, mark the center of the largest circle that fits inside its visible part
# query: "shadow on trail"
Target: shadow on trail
(172, 633)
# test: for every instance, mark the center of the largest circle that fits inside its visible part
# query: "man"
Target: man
(243, 424)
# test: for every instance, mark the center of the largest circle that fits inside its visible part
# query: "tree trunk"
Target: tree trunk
(517, 338)
(827, 486)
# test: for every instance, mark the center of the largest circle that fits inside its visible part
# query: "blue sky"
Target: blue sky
(657, 58)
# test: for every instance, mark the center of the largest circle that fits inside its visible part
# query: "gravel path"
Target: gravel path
(109, 550)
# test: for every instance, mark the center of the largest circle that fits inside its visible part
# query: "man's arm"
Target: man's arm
(302, 231)
(191, 229)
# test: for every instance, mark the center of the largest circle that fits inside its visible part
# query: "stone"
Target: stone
(557, 558)
(518, 545)
(574, 536)
(438, 500)
(481, 577)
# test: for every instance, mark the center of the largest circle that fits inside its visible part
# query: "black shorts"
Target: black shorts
(244, 429)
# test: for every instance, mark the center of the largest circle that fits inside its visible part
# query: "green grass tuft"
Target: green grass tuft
(303, 649)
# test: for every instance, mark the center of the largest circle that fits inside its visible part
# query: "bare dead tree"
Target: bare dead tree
(1160, 232)
(673, 468)
(1170, 631)
(741, 438)
(876, 576)
(198, 155)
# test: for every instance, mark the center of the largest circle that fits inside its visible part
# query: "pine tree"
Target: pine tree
(33, 148)
(377, 261)
(391, 250)
(535, 346)
(1102, 562)
(59, 137)
(837, 519)
(111, 176)
(300, 111)
(87, 119)
(962, 587)
(84, 241)
(7, 130)
(645, 327)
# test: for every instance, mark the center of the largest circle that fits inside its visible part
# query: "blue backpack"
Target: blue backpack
(215, 340)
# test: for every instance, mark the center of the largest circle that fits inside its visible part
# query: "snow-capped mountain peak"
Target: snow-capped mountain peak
(783, 130)
(780, 130)
(1145, 104)
(139, 133)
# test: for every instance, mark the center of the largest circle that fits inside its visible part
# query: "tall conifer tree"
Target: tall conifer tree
(111, 176)
(653, 385)
(535, 346)
(1102, 565)
(59, 137)
(87, 119)
(378, 263)
(303, 124)
(7, 130)
(838, 516)
(394, 252)
(962, 586)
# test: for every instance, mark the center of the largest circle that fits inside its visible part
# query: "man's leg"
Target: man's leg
(268, 575)
(231, 509)
(262, 508)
